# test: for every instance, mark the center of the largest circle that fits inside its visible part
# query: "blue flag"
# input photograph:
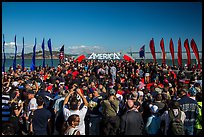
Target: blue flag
(15, 53)
(32, 67)
(142, 51)
(3, 68)
(50, 49)
(22, 55)
(43, 53)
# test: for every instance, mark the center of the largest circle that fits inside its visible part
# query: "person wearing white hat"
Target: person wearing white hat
(153, 122)
(140, 97)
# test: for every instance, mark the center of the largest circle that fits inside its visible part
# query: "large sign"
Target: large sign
(105, 56)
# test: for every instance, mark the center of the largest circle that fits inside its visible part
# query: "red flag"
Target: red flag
(186, 45)
(179, 53)
(61, 54)
(171, 46)
(79, 58)
(152, 48)
(163, 51)
(195, 50)
(128, 58)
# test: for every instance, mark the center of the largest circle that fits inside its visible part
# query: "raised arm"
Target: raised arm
(68, 96)
(82, 96)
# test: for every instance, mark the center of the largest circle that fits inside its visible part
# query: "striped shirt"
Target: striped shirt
(6, 110)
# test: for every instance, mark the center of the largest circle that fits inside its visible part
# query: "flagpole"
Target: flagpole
(144, 56)
(3, 68)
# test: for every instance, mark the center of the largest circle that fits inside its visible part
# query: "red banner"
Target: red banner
(195, 50)
(179, 53)
(186, 45)
(152, 48)
(171, 46)
(128, 58)
(163, 51)
(80, 58)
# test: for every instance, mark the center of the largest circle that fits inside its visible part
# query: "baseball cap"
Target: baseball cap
(112, 91)
(154, 108)
(185, 90)
(135, 95)
(15, 83)
(61, 83)
(140, 93)
(158, 90)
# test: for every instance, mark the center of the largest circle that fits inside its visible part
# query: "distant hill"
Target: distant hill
(38, 55)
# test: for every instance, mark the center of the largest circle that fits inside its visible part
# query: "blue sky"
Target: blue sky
(101, 26)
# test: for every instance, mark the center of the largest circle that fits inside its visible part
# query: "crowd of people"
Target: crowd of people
(100, 97)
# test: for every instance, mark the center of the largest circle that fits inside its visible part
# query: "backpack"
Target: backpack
(176, 127)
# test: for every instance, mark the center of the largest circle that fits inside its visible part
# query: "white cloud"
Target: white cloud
(10, 45)
(82, 49)
(82, 46)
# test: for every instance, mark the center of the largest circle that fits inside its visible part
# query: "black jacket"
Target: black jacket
(131, 123)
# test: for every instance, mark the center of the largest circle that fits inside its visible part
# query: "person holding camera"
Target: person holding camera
(16, 111)
(71, 106)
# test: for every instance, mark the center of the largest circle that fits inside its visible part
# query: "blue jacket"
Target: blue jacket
(153, 124)
(189, 107)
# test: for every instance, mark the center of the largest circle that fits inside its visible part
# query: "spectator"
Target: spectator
(41, 118)
(6, 111)
(16, 109)
(175, 110)
(190, 108)
(158, 102)
(131, 121)
(94, 114)
(58, 110)
(74, 108)
(110, 108)
(140, 97)
(152, 91)
(153, 122)
(198, 124)
(32, 106)
(113, 73)
(73, 122)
